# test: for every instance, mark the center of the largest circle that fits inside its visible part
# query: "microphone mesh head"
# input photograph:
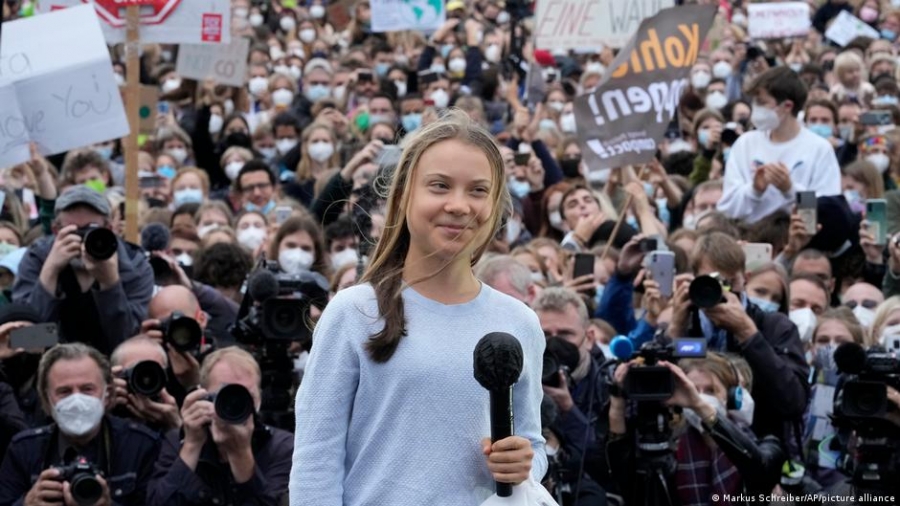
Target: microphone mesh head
(498, 361)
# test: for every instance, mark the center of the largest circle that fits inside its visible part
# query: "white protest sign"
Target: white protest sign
(778, 20)
(400, 15)
(591, 24)
(224, 64)
(184, 22)
(847, 27)
(56, 86)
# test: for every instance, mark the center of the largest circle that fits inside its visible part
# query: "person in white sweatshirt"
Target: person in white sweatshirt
(768, 166)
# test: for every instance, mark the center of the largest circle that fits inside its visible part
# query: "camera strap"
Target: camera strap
(103, 455)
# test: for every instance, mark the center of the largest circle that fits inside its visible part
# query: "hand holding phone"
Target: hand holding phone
(34, 337)
(806, 208)
(660, 267)
(876, 216)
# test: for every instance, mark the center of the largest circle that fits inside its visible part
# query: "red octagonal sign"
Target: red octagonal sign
(113, 11)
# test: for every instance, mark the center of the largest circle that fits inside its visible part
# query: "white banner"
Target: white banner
(400, 15)
(591, 24)
(847, 27)
(224, 64)
(778, 20)
(190, 22)
(57, 87)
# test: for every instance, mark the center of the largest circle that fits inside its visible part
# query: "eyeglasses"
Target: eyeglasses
(253, 187)
(866, 303)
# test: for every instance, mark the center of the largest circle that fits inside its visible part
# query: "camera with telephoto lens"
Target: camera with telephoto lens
(182, 332)
(83, 484)
(233, 403)
(100, 243)
(708, 291)
(559, 357)
(653, 382)
(146, 378)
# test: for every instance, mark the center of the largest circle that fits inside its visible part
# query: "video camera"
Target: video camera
(100, 243)
(83, 484)
(233, 403)
(146, 378)
(652, 382)
(861, 399)
(182, 332)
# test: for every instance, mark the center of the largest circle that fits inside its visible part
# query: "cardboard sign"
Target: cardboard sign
(778, 20)
(591, 24)
(164, 21)
(400, 15)
(59, 93)
(223, 63)
(847, 27)
(622, 121)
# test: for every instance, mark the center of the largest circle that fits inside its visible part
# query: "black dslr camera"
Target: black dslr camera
(652, 382)
(82, 477)
(182, 332)
(146, 378)
(100, 243)
(233, 403)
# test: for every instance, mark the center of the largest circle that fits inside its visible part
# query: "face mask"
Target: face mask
(344, 257)
(440, 98)
(700, 80)
(204, 230)
(805, 320)
(287, 23)
(716, 100)
(764, 119)
(241, 12)
(689, 221)
(285, 145)
(400, 86)
(767, 306)
(457, 65)
(823, 131)
(380, 118)
(295, 72)
(865, 316)
(888, 34)
(256, 19)
(694, 420)
(317, 92)
(567, 123)
(120, 79)
(258, 86)
(493, 53)
(518, 189)
(547, 124)
(382, 68)
(885, 100)
(745, 414)
(104, 151)
(679, 145)
(595, 67)
(739, 19)
(890, 338)
(726, 152)
(283, 97)
(868, 14)
(598, 176)
(722, 70)
(845, 132)
(307, 35)
(411, 122)
(317, 11)
(229, 106)
(513, 229)
(251, 237)
(796, 67)
(556, 105)
(216, 122)
(179, 154)
(556, 221)
(445, 50)
(185, 259)
(187, 196)
(570, 167)
(171, 85)
(295, 260)
(321, 151)
(339, 92)
(703, 138)
(438, 68)
(567, 354)
(281, 69)
(881, 161)
(264, 210)
(232, 169)
(78, 414)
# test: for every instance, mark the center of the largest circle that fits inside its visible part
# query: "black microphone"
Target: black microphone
(155, 237)
(850, 358)
(262, 285)
(498, 365)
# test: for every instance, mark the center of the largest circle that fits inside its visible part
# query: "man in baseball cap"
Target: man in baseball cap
(85, 275)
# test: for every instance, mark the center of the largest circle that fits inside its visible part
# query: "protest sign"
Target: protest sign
(164, 22)
(223, 63)
(399, 15)
(778, 20)
(620, 123)
(847, 27)
(591, 24)
(61, 93)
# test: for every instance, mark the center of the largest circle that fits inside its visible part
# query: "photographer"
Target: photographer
(767, 341)
(577, 387)
(100, 301)
(112, 458)
(135, 395)
(716, 452)
(214, 461)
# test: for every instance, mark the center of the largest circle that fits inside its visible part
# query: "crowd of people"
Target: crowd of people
(136, 373)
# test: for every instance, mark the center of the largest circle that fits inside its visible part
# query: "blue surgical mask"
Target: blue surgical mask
(547, 124)
(517, 188)
(445, 50)
(264, 210)
(317, 92)
(411, 121)
(662, 211)
(187, 196)
(885, 100)
(888, 34)
(703, 138)
(166, 171)
(767, 306)
(823, 131)
(382, 69)
(726, 152)
(104, 151)
(598, 296)
(633, 222)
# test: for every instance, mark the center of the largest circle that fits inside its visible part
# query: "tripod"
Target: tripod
(654, 456)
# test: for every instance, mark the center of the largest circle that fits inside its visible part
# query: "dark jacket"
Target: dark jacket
(126, 464)
(174, 483)
(12, 421)
(102, 319)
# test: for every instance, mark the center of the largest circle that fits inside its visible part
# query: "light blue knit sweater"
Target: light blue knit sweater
(408, 432)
